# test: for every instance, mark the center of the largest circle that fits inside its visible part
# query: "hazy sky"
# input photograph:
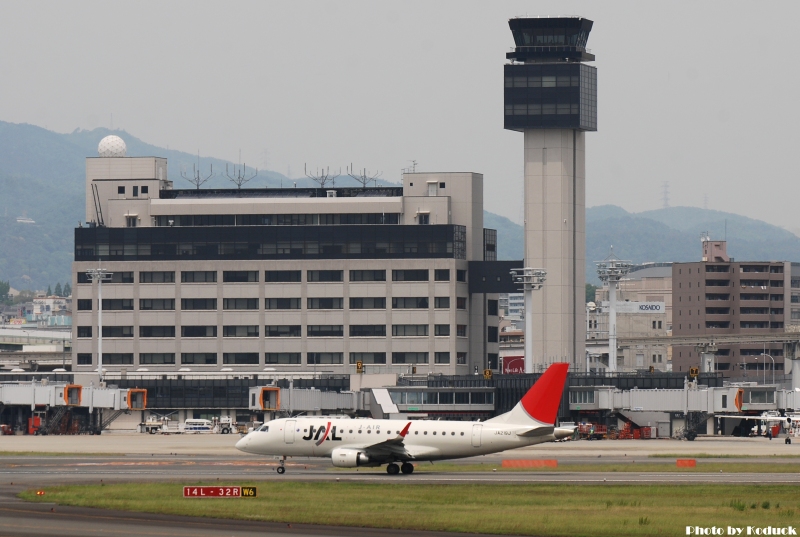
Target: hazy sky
(700, 94)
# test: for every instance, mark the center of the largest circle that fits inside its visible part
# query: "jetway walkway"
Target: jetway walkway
(745, 398)
(49, 407)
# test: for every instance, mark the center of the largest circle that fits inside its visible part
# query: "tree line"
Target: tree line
(26, 296)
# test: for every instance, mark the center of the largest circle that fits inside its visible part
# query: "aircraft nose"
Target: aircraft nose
(241, 445)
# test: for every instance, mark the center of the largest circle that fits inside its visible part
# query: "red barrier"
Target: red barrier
(686, 463)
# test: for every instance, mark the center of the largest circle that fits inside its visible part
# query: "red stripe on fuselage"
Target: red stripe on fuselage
(327, 430)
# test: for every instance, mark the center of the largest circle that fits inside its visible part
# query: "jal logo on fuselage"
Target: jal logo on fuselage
(322, 433)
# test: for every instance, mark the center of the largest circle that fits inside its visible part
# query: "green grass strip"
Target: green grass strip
(526, 509)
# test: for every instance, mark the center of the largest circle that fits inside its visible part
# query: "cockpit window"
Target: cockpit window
(264, 428)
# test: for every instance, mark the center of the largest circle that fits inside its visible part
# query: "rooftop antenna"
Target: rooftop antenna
(239, 176)
(665, 194)
(410, 169)
(364, 176)
(321, 177)
(197, 179)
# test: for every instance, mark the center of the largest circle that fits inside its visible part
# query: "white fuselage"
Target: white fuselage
(424, 441)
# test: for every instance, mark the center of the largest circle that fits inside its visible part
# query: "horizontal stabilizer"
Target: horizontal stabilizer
(536, 431)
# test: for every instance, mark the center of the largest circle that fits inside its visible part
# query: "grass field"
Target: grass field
(535, 509)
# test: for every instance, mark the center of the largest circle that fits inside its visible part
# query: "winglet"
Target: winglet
(404, 432)
(542, 400)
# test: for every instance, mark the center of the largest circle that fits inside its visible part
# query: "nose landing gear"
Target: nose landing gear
(282, 468)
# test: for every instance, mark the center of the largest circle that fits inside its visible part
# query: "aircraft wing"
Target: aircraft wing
(392, 448)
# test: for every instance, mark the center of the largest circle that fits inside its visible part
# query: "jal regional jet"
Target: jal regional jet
(351, 443)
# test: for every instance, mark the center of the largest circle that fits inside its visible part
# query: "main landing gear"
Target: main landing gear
(394, 469)
(281, 469)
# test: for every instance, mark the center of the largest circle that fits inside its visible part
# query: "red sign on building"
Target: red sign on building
(513, 365)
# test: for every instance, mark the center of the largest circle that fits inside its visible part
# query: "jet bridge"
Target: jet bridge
(56, 403)
(694, 405)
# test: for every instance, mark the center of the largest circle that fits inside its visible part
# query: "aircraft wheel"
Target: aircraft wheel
(392, 469)
(280, 470)
(407, 468)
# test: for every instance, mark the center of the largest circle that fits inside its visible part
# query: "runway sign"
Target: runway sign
(220, 492)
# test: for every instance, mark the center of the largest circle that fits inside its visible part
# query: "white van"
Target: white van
(198, 426)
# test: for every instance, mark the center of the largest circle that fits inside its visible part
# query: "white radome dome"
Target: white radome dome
(111, 146)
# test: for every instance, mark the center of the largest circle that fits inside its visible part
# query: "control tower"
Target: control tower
(551, 97)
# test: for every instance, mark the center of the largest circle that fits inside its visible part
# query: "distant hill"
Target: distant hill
(671, 234)
(42, 177)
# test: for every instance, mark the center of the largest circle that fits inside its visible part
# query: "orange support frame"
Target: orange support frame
(262, 401)
(67, 389)
(144, 398)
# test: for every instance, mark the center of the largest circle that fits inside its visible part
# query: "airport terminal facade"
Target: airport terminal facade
(282, 280)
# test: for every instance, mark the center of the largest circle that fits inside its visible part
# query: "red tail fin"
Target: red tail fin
(542, 400)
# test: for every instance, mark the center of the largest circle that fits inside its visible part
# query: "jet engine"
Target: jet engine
(349, 458)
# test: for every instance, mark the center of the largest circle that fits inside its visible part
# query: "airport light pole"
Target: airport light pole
(610, 271)
(765, 367)
(99, 275)
(532, 279)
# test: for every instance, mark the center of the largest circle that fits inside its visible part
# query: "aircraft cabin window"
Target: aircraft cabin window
(452, 434)
(351, 431)
(462, 434)
(434, 433)
(359, 431)
(368, 431)
(416, 432)
(426, 432)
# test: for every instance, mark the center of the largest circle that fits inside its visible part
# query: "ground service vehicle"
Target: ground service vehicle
(368, 442)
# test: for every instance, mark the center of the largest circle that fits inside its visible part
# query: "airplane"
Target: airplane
(352, 443)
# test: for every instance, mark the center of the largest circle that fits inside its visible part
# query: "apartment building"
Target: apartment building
(721, 296)
(394, 279)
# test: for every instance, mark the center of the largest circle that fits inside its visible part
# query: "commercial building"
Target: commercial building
(634, 319)
(644, 309)
(551, 97)
(720, 296)
(272, 282)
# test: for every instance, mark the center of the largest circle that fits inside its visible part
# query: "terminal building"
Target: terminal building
(282, 281)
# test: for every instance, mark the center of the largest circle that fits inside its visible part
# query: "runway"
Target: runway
(190, 460)
(48, 471)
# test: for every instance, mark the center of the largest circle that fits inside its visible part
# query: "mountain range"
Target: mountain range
(42, 177)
